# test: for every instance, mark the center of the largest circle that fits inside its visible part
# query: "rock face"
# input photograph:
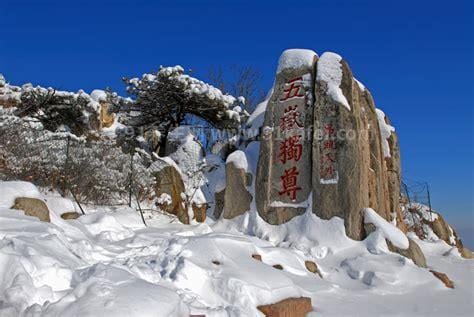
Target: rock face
(340, 146)
(290, 307)
(33, 207)
(413, 252)
(284, 165)
(237, 198)
(170, 189)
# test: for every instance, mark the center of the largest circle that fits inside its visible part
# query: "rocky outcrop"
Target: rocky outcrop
(284, 165)
(237, 198)
(170, 189)
(33, 207)
(354, 159)
(290, 307)
(424, 222)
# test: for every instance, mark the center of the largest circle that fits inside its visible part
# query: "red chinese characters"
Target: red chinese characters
(293, 89)
(291, 119)
(327, 162)
(289, 182)
(291, 149)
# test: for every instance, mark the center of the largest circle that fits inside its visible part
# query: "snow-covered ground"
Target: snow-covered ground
(107, 263)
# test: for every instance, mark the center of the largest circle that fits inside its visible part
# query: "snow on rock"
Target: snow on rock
(330, 71)
(385, 130)
(390, 232)
(296, 58)
(9, 191)
(98, 95)
(239, 159)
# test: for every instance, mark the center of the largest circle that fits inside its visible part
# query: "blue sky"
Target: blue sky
(416, 57)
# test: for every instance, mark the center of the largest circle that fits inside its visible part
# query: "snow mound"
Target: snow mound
(390, 232)
(330, 71)
(296, 58)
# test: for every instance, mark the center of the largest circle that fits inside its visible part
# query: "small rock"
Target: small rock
(257, 257)
(443, 278)
(216, 262)
(278, 267)
(70, 215)
(290, 307)
(312, 267)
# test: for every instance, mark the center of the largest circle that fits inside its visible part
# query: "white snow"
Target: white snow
(164, 199)
(108, 264)
(330, 71)
(385, 131)
(239, 159)
(9, 191)
(390, 232)
(296, 58)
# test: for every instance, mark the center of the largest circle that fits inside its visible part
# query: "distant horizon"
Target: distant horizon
(415, 59)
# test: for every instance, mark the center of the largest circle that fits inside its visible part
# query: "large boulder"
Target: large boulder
(237, 198)
(33, 207)
(170, 188)
(284, 165)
